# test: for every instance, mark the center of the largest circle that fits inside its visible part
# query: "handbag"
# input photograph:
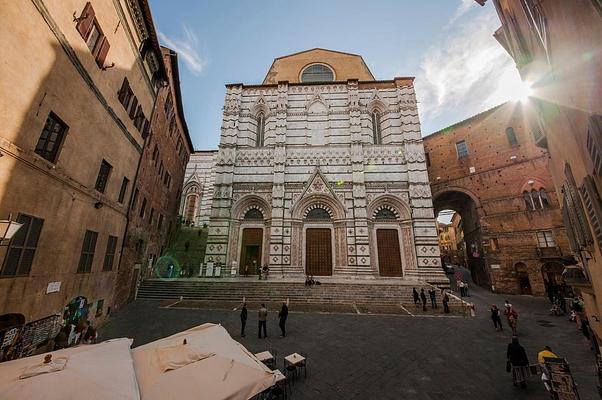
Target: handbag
(508, 366)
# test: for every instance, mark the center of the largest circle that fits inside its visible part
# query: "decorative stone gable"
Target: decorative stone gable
(317, 184)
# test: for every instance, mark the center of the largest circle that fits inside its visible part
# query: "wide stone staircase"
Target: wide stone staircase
(377, 296)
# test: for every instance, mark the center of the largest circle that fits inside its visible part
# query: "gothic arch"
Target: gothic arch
(376, 103)
(192, 187)
(536, 184)
(260, 107)
(248, 202)
(320, 206)
(399, 207)
(330, 204)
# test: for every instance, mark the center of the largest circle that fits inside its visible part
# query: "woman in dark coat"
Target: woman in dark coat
(517, 357)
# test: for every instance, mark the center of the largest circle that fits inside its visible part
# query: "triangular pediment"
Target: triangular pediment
(318, 184)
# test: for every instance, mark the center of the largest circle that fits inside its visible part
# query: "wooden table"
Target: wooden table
(297, 360)
(264, 356)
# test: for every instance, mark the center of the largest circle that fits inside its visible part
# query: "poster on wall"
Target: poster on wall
(234, 268)
(209, 269)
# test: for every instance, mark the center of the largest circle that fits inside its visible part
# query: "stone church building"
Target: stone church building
(321, 171)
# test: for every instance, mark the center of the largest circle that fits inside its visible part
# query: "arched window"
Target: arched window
(253, 213)
(528, 200)
(317, 73)
(260, 130)
(376, 127)
(318, 213)
(385, 213)
(543, 198)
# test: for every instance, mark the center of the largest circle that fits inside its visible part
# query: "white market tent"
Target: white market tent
(92, 372)
(226, 371)
(209, 366)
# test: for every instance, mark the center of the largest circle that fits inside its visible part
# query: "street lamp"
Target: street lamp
(8, 229)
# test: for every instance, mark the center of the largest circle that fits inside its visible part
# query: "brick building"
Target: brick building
(557, 49)
(69, 148)
(489, 170)
(158, 185)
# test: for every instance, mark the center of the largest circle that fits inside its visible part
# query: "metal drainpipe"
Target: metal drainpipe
(127, 214)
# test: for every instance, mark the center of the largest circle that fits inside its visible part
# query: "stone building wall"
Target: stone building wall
(158, 185)
(319, 153)
(197, 194)
(50, 69)
(494, 176)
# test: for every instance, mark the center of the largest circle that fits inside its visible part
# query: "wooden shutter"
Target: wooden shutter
(593, 207)
(122, 94)
(85, 22)
(576, 213)
(594, 142)
(102, 53)
(133, 107)
(569, 228)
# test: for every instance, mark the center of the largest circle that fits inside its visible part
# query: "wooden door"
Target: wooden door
(250, 254)
(389, 256)
(318, 252)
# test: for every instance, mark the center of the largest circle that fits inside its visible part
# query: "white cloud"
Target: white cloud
(187, 49)
(467, 72)
(464, 7)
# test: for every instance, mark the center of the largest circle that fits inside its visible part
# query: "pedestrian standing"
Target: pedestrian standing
(423, 298)
(263, 316)
(282, 316)
(466, 289)
(432, 295)
(416, 296)
(512, 317)
(496, 317)
(445, 302)
(461, 286)
(243, 319)
(246, 270)
(517, 363)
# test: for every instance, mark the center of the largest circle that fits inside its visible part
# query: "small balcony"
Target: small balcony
(549, 252)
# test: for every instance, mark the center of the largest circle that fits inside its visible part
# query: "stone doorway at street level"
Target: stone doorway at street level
(522, 275)
(389, 255)
(250, 254)
(318, 252)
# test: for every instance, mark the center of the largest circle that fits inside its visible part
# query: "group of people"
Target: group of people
(310, 281)
(463, 288)
(420, 298)
(511, 317)
(262, 272)
(262, 317)
(517, 362)
(73, 334)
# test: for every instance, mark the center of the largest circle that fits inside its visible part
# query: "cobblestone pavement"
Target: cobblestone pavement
(352, 356)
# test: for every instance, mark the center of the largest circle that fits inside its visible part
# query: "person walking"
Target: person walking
(511, 317)
(243, 319)
(496, 317)
(445, 302)
(282, 315)
(432, 295)
(461, 287)
(423, 298)
(466, 289)
(263, 316)
(416, 296)
(517, 363)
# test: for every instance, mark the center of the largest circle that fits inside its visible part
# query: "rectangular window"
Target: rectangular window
(51, 138)
(161, 169)
(123, 190)
(133, 108)
(22, 247)
(167, 180)
(511, 136)
(594, 142)
(593, 206)
(168, 106)
(139, 119)
(125, 94)
(152, 214)
(155, 153)
(103, 176)
(545, 239)
(160, 223)
(110, 254)
(94, 37)
(134, 200)
(576, 214)
(87, 255)
(462, 149)
(99, 306)
(494, 244)
(427, 159)
(142, 208)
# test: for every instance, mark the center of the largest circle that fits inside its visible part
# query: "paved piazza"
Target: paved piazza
(353, 356)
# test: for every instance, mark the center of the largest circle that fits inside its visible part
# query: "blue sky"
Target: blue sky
(447, 45)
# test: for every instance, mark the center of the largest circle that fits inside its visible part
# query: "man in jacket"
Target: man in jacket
(282, 316)
(517, 357)
(263, 316)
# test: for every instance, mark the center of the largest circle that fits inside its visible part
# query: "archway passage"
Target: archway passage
(470, 241)
(522, 275)
(389, 255)
(318, 252)
(11, 320)
(250, 254)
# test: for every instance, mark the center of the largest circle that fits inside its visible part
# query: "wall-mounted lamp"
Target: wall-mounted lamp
(531, 182)
(513, 158)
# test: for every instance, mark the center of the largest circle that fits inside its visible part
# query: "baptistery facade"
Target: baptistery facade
(321, 171)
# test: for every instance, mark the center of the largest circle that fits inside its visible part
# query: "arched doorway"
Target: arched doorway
(251, 241)
(318, 240)
(461, 209)
(11, 320)
(387, 242)
(190, 208)
(522, 277)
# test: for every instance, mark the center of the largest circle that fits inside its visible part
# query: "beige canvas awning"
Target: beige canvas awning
(211, 365)
(101, 371)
